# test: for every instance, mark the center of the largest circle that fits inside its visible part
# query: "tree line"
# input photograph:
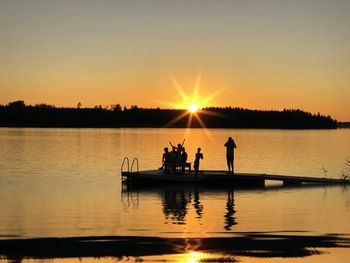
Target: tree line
(18, 114)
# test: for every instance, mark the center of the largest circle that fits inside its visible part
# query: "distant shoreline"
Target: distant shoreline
(17, 114)
(343, 125)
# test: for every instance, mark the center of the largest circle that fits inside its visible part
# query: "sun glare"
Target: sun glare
(195, 105)
(193, 108)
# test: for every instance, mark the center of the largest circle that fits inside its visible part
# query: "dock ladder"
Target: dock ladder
(135, 161)
(126, 170)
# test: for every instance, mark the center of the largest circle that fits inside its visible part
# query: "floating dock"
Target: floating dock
(218, 177)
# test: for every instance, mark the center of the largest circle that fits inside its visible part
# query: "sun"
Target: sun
(193, 108)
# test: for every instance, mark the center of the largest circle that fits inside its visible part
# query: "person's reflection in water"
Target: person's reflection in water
(176, 203)
(175, 206)
(198, 207)
(230, 220)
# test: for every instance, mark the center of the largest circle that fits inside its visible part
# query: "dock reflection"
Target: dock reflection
(177, 200)
(185, 204)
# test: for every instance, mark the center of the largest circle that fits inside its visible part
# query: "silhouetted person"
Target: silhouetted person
(174, 159)
(183, 159)
(230, 145)
(178, 148)
(166, 160)
(198, 156)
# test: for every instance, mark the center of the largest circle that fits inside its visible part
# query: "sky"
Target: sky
(258, 54)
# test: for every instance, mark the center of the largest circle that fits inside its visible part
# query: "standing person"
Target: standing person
(198, 156)
(230, 145)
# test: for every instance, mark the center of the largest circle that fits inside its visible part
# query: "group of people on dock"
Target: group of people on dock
(176, 159)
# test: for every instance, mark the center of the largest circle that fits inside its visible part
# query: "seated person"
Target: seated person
(174, 159)
(183, 160)
(166, 160)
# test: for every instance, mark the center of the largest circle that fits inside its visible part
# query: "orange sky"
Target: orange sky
(263, 54)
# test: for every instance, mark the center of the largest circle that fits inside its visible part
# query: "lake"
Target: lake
(67, 183)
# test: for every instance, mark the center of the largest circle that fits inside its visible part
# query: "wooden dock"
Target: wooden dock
(261, 178)
(218, 177)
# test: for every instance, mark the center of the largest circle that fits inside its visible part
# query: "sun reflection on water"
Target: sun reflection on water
(195, 256)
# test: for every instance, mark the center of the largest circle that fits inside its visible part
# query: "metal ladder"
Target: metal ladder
(135, 160)
(129, 170)
(125, 160)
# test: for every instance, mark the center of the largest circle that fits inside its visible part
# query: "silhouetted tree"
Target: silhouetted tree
(42, 115)
(116, 107)
(44, 105)
(17, 104)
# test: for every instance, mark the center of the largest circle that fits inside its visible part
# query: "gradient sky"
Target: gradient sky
(265, 54)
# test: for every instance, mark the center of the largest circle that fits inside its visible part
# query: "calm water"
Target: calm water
(66, 182)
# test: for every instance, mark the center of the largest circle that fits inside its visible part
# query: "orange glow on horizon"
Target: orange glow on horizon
(195, 102)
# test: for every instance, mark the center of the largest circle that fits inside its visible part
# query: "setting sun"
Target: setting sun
(193, 108)
(193, 104)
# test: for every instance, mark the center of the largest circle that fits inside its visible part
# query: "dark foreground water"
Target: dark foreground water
(66, 183)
